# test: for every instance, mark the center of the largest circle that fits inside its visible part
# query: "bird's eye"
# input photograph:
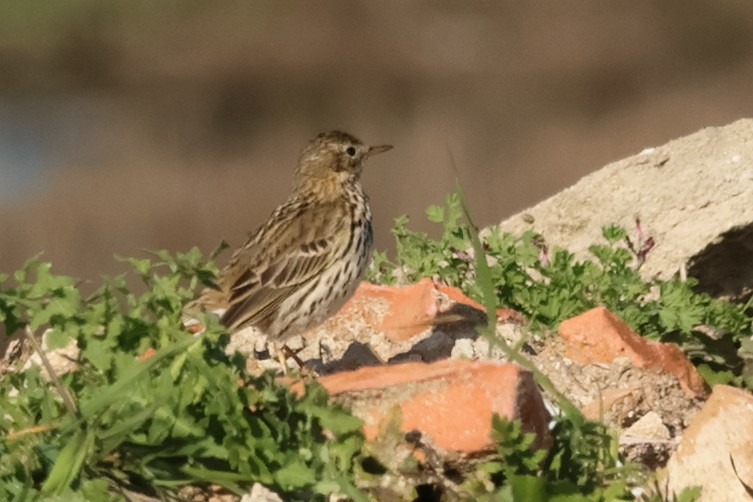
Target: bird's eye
(351, 151)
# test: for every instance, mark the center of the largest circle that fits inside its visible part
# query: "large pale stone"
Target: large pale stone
(721, 433)
(693, 195)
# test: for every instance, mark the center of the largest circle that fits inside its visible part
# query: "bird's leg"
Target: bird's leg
(286, 352)
(290, 353)
(283, 353)
(282, 357)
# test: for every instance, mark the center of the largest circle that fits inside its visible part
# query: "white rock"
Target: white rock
(260, 493)
(647, 428)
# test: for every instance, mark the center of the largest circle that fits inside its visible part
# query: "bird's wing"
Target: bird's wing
(297, 244)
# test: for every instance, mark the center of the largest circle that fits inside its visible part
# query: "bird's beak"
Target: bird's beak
(374, 150)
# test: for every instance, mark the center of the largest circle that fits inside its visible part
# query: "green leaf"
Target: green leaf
(715, 377)
(106, 396)
(295, 474)
(142, 266)
(99, 490)
(336, 420)
(68, 463)
(99, 352)
(613, 233)
(689, 494)
(528, 488)
(435, 214)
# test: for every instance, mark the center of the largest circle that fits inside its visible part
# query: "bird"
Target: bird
(300, 266)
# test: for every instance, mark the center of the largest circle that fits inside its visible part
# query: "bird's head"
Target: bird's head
(335, 157)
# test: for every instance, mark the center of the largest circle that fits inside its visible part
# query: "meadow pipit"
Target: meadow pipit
(304, 263)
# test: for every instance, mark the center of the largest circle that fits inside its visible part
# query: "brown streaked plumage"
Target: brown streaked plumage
(304, 263)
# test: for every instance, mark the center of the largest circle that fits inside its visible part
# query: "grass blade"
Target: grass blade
(68, 463)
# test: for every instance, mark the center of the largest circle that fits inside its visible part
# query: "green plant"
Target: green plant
(150, 408)
(581, 465)
(550, 285)
(187, 414)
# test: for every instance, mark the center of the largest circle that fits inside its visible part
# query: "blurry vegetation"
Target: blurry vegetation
(149, 408)
(183, 94)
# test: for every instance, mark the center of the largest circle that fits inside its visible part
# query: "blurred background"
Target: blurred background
(132, 124)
